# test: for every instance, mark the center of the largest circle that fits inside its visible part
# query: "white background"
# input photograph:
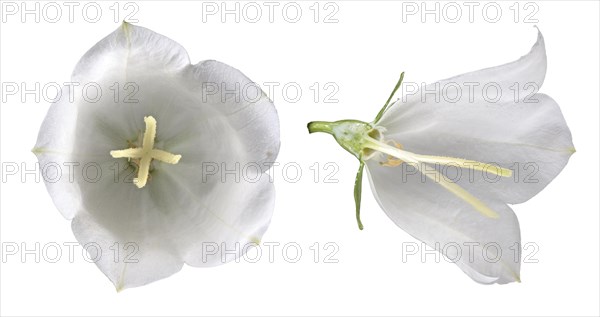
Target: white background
(362, 54)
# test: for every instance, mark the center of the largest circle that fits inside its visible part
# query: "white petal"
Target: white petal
(227, 228)
(529, 136)
(132, 257)
(530, 68)
(127, 51)
(54, 147)
(435, 216)
(247, 107)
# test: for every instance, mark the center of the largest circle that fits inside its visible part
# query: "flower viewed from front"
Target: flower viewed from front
(444, 166)
(136, 151)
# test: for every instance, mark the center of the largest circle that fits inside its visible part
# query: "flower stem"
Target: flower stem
(320, 126)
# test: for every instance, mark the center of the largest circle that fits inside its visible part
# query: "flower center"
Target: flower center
(145, 154)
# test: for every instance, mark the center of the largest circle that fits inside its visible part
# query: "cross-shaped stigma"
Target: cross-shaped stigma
(146, 153)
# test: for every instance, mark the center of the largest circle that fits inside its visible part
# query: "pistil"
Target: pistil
(146, 153)
(416, 160)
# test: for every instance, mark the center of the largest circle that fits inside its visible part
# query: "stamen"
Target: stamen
(415, 159)
(146, 153)
(392, 161)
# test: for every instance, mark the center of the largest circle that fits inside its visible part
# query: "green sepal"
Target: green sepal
(382, 111)
(358, 192)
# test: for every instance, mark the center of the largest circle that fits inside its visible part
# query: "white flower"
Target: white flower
(445, 170)
(134, 157)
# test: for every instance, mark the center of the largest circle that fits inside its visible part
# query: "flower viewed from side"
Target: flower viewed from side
(135, 153)
(445, 166)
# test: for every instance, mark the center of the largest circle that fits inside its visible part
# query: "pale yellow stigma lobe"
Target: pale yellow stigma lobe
(146, 153)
